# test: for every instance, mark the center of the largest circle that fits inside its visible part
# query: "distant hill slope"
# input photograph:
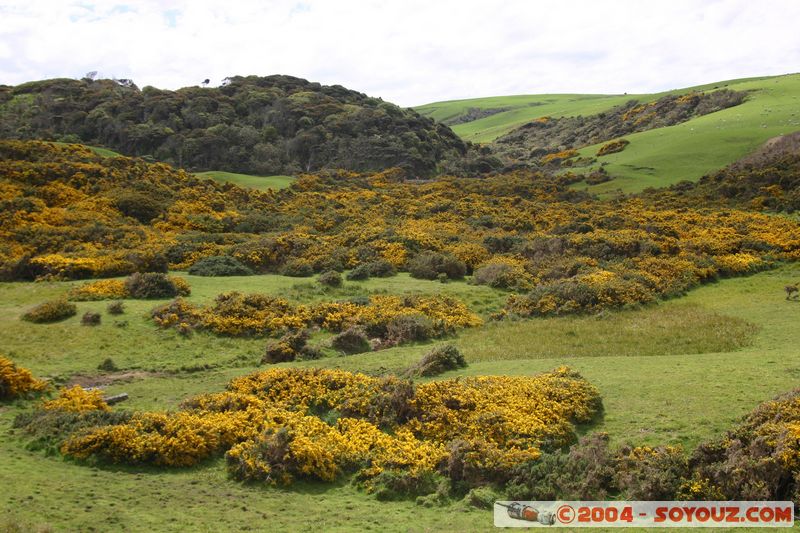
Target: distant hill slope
(516, 110)
(254, 125)
(658, 157)
(688, 151)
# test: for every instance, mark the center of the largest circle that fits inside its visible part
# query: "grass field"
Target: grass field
(261, 183)
(104, 152)
(679, 372)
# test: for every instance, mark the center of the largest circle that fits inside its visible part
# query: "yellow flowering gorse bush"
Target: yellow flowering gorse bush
(16, 381)
(237, 314)
(77, 399)
(284, 423)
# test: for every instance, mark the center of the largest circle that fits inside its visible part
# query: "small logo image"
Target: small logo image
(519, 511)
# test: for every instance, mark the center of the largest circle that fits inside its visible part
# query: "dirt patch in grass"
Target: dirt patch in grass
(110, 378)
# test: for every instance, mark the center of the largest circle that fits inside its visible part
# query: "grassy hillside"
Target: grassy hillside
(667, 393)
(524, 108)
(687, 151)
(521, 109)
(261, 183)
(657, 157)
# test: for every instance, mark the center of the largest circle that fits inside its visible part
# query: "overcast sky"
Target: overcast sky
(406, 51)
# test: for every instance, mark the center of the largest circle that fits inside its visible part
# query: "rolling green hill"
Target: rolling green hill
(658, 157)
(687, 151)
(520, 109)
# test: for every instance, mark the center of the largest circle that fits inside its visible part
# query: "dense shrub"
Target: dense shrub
(297, 268)
(116, 308)
(428, 265)
(351, 341)
(502, 273)
(48, 428)
(757, 460)
(359, 273)
(219, 265)
(585, 472)
(381, 269)
(376, 269)
(395, 436)
(309, 353)
(143, 207)
(439, 360)
(287, 348)
(108, 365)
(238, 314)
(409, 328)
(645, 473)
(149, 285)
(90, 318)
(331, 278)
(395, 485)
(52, 311)
(266, 459)
(601, 289)
(278, 352)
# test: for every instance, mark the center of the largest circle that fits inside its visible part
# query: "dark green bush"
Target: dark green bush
(52, 311)
(428, 265)
(359, 273)
(439, 360)
(585, 472)
(141, 206)
(352, 340)
(392, 485)
(409, 328)
(219, 265)
(150, 285)
(482, 498)
(756, 460)
(116, 308)
(287, 348)
(309, 353)
(297, 268)
(90, 318)
(381, 269)
(330, 278)
(655, 474)
(108, 365)
(497, 275)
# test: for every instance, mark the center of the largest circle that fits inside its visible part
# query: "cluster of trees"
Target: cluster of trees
(258, 125)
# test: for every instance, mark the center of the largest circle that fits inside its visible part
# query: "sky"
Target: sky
(409, 52)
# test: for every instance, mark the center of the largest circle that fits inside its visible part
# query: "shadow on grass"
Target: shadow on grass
(582, 430)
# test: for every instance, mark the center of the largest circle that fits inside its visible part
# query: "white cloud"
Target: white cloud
(409, 52)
